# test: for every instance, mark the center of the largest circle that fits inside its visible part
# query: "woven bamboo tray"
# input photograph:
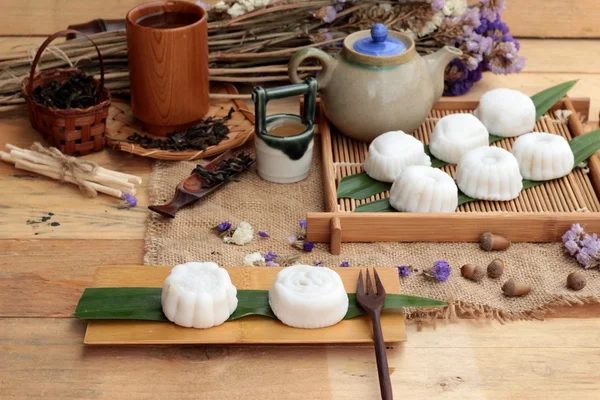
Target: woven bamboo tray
(121, 123)
(540, 214)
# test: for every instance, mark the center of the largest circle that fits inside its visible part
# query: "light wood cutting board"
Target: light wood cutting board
(248, 330)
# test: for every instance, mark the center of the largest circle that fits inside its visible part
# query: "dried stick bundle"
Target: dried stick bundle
(252, 41)
(88, 176)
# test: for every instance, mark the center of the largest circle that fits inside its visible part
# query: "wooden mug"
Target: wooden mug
(168, 65)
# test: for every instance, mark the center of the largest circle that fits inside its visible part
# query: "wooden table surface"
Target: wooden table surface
(44, 268)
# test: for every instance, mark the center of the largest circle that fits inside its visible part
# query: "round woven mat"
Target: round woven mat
(121, 124)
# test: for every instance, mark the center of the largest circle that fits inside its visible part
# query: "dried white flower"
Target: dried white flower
(243, 234)
(221, 6)
(429, 26)
(584, 167)
(562, 115)
(454, 8)
(254, 260)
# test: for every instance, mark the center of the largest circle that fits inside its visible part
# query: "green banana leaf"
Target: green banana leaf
(545, 99)
(144, 304)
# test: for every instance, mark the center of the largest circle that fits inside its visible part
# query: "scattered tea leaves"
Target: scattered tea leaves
(209, 132)
(77, 91)
(225, 171)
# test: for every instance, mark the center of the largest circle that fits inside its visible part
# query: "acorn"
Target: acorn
(513, 289)
(472, 272)
(491, 242)
(576, 281)
(495, 268)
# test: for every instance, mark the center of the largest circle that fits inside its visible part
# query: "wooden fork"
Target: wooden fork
(372, 303)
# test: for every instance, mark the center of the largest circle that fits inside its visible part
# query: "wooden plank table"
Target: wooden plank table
(43, 270)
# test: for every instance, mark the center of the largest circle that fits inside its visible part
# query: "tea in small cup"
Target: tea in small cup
(284, 142)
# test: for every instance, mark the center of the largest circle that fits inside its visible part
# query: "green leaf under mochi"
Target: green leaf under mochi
(360, 186)
(144, 304)
(545, 99)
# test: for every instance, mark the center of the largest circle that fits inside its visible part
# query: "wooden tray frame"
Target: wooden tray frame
(337, 227)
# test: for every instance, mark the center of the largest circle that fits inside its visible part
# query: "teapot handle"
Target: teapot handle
(327, 62)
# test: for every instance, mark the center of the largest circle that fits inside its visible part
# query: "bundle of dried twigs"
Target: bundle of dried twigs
(254, 46)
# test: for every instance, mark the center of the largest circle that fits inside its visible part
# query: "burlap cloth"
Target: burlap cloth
(276, 209)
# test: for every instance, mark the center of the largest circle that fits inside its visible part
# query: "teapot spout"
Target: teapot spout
(436, 63)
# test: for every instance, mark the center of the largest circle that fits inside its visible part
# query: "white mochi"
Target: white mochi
(424, 189)
(198, 295)
(391, 152)
(543, 156)
(489, 173)
(506, 112)
(304, 296)
(455, 134)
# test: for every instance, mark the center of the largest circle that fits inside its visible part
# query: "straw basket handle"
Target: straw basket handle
(50, 38)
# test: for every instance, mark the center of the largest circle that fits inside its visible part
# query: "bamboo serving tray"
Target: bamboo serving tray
(540, 214)
(121, 124)
(248, 330)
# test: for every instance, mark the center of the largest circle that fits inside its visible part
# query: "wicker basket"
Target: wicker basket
(75, 131)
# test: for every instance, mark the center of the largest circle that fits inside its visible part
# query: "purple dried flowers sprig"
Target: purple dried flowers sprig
(583, 246)
(129, 201)
(223, 226)
(270, 256)
(344, 264)
(404, 270)
(263, 234)
(440, 271)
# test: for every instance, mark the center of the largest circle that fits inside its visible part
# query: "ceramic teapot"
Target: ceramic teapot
(379, 83)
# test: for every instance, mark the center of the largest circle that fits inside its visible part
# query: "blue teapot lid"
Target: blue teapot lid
(379, 44)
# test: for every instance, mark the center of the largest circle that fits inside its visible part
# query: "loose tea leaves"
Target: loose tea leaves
(209, 132)
(225, 171)
(77, 91)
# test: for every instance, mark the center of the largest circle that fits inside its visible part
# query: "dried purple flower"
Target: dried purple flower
(129, 201)
(303, 224)
(263, 234)
(330, 13)
(589, 254)
(459, 79)
(440, 271)
(270, 256)
(308, 246)
(437, 4)
(271, 264)
(572, 239)
(318, 263)
(223, 226)
(404, 270)
(344, 264)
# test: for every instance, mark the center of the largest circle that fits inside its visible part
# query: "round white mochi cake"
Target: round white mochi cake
(198, 295)
(489, 173)
(304, 296)
(455, 134)
(391, 152)
(543, 156)
(424, 189)
(506, 112)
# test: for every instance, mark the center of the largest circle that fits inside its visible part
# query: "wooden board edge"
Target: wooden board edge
(448, 227)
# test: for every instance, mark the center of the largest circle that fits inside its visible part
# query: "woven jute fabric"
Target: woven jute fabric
(276, 209)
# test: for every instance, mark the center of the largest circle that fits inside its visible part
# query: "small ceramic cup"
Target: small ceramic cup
(284, 159)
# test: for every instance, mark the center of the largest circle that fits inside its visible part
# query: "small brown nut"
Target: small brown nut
(495, 268)
(491, 242)
(513, 289)
(576, 281)
(472, 272)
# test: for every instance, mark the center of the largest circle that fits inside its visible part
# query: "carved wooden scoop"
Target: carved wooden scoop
(190, 190)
